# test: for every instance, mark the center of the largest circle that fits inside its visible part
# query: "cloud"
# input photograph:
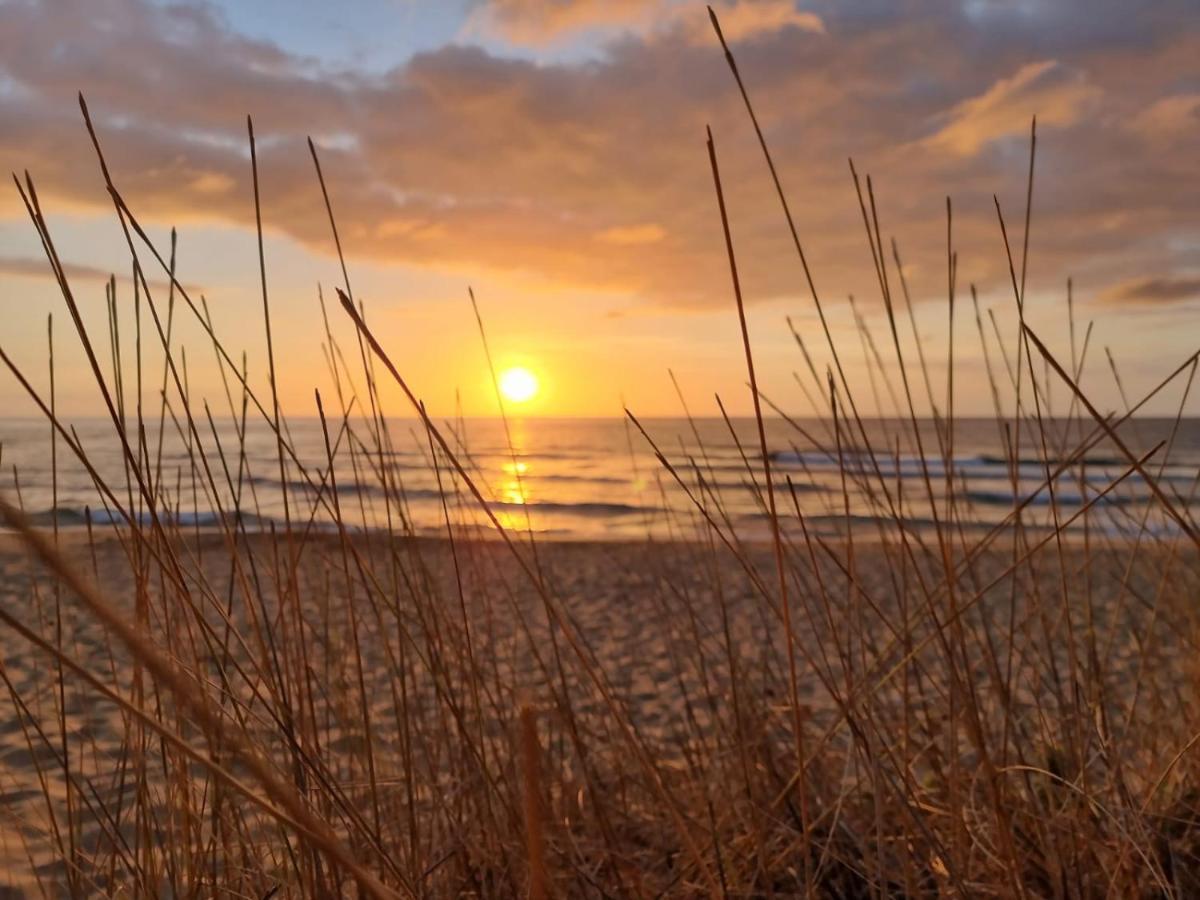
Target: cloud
(591, 174)
(743, 20)
(1154, 291)
(536, 22)
(632, 234)
(1176, 116)
(28, 267)
(1055, 93)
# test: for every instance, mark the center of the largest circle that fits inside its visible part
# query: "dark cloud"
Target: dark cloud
(593, 173)
(28, 267)
(1154, 291)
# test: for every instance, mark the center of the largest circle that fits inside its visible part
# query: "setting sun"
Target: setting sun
(518, 384)
(596, 550)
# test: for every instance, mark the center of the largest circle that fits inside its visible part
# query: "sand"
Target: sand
(655, 638)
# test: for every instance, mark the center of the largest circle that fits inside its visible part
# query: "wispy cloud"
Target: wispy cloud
(1154, 291)
(536, 22)
(28, 267)
(632, 234)
(1175, 117)
(1056, 94)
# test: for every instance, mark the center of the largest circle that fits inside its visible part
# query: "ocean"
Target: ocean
(602, 479)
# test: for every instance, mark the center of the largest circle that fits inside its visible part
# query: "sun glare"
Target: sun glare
(518, 384)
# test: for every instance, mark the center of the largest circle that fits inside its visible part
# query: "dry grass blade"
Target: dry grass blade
(393, 649)
(168, 676)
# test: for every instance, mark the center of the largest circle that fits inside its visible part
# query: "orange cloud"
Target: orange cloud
(592, 174)
(1176, 116)
(535, 22)
(632, 234)
(27, 267)
(212, 183)
(1056, 94)
(743, 20)
(1155, 291)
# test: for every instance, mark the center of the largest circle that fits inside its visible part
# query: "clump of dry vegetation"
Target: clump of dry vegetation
(900, 708)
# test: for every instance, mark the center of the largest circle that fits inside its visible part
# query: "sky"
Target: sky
(551, 156)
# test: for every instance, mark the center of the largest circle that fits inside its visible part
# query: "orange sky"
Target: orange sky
(551, 155)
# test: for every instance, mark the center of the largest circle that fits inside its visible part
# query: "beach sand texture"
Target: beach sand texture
(664, 650)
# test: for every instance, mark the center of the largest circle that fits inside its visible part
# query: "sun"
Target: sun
(518, 384)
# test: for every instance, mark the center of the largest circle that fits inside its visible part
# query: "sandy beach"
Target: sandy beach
(667, 649)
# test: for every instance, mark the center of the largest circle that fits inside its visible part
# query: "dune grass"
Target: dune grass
(923, 705)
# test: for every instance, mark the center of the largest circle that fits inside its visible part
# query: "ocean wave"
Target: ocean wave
(581, 509)
(78, 517)
(1044, 498)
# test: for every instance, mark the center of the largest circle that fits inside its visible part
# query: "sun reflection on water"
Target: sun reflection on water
(513, 488)
(514, 492)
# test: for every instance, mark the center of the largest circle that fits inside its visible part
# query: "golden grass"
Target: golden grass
(955, 709)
